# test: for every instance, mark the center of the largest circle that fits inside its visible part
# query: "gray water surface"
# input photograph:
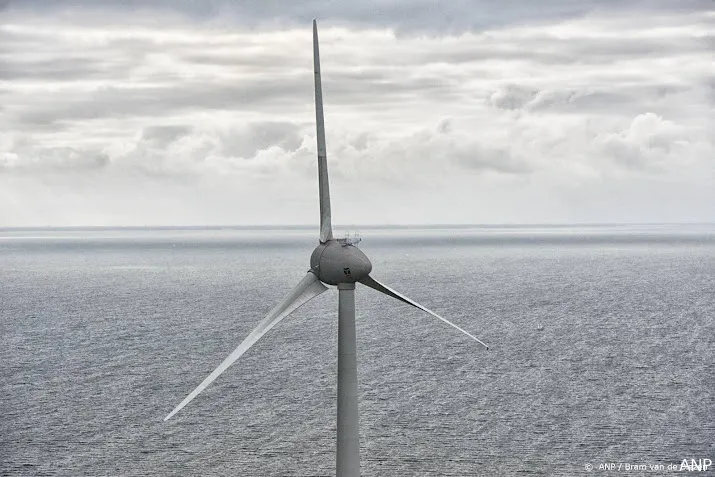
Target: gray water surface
(602, 350)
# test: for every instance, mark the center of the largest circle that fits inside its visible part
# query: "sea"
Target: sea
(602, 351)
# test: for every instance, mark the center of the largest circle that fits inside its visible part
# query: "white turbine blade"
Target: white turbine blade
(372, 283)
(306, 289)
(326, 229)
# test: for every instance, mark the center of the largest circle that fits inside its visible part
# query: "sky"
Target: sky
(190, 112)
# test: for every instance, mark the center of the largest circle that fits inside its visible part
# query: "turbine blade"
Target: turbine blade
(374, 284)
(306, 289)
(326, 228)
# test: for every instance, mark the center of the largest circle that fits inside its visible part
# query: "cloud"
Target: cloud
(649, 142)
(411, 17)
(512, 97)
(55, 159)
(515, 118)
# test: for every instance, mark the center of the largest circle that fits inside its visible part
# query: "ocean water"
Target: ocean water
(602, 351)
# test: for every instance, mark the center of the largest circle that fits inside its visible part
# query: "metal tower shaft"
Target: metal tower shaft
(348, 443)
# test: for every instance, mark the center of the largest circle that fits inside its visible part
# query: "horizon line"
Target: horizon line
(345, 226)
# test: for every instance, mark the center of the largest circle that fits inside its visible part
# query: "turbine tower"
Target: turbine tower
(334, 262)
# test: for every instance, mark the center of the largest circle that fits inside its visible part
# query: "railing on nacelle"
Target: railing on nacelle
(350, 239)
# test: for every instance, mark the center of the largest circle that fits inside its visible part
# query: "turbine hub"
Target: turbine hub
(335, 262)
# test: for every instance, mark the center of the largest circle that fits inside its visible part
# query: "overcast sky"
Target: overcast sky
(188, 112)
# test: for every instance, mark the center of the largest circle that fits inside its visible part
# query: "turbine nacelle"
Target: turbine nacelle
(336, 262)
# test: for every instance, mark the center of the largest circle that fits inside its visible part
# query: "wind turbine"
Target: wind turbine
(334, 262)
